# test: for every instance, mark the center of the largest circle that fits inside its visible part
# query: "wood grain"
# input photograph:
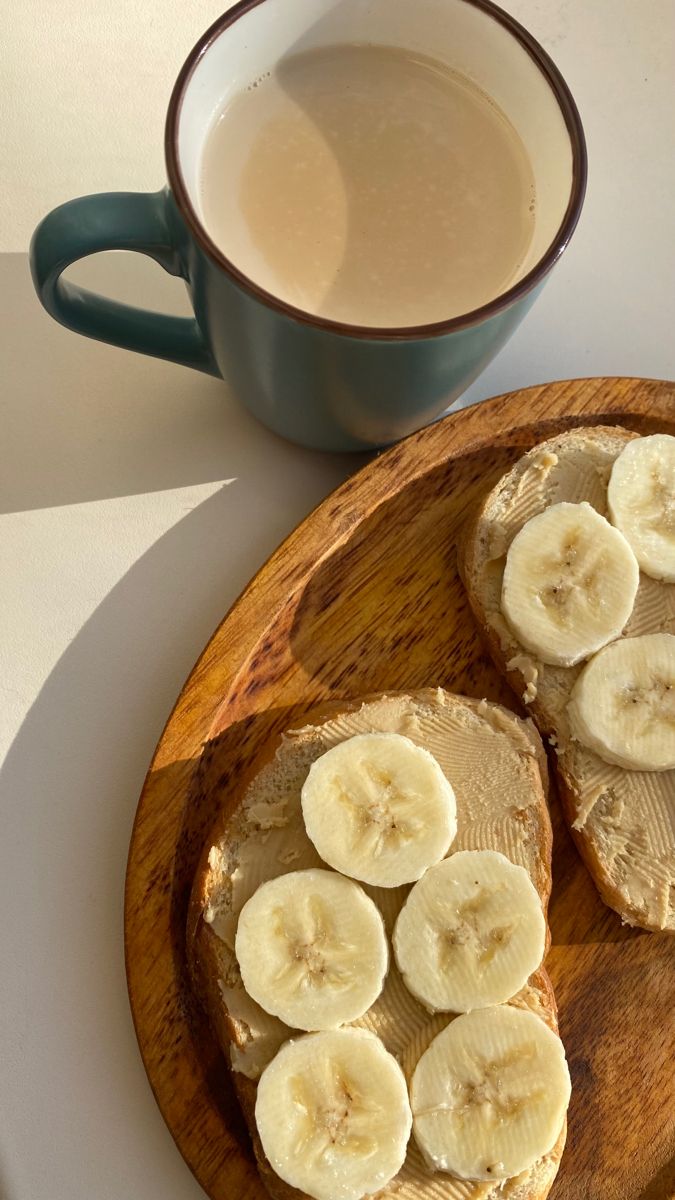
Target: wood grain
(364, 596)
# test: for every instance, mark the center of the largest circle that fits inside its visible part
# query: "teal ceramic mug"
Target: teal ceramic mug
(322, 383)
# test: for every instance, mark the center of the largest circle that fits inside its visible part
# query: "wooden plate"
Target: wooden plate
(362, 597)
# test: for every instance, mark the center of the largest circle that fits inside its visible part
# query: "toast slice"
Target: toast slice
(497, 767)
(623, 821)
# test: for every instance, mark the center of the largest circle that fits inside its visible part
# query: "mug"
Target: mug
(322, 383)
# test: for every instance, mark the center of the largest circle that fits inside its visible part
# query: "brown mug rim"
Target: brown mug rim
(534, 276)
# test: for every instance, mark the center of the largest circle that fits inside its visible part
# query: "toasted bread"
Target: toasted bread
(623, 821)
(497, 767)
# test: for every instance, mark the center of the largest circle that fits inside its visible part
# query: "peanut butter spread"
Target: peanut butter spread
(492, 761)
(626, 817)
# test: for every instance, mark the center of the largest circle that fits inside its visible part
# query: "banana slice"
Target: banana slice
(333, 1114)
(379, 808)
(490, 1094)
(623, 703)
(471, 932)
(641, 500)
(311, 949)
(569, 583)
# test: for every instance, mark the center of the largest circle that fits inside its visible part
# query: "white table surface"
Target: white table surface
(137, 500)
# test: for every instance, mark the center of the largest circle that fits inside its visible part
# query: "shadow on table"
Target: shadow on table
(85, 421)
(72, 778)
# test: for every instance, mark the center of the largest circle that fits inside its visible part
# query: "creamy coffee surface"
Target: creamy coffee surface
(369, 185)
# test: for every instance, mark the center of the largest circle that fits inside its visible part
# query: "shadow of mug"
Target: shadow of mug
(322, 383)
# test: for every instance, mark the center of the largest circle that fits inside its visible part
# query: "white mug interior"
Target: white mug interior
(461, 34)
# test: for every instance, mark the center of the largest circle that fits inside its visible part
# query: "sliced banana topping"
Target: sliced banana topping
(623, 703)
(311, 949)
(379, 808)
(569, 584)
(490, 1094)
(471, 932)
(333, 1114)
(641, 499)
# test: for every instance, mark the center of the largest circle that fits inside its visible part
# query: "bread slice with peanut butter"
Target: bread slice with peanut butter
(497, 768)
(623, 821)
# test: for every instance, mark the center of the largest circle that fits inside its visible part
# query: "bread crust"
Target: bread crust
(204, 952)
(471, 559)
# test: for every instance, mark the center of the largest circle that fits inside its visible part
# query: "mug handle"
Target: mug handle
(114, 221)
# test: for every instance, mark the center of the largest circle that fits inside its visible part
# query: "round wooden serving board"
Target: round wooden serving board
(363, 597)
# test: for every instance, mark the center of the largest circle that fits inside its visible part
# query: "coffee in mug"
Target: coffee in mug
(370, 185)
